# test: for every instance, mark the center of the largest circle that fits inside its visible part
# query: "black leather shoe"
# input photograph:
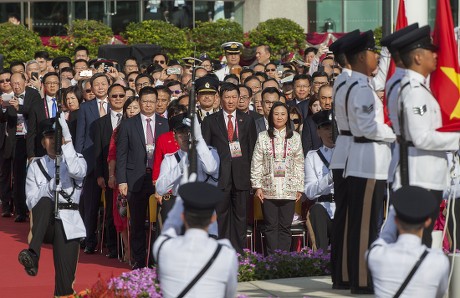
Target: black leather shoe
(6, 214)
(82, 243)
(20, 218)
(29, 260)
(362, 291)
(112, 255)
(341, 286)
(89, 250)
(137, 266)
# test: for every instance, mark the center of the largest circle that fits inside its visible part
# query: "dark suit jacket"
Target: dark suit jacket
(254, 115)
(310, 138)
(131, 151)
(231, 169)
(302, 106)
(72, 123)
(102, 134)
(84, 143)
(260, 125)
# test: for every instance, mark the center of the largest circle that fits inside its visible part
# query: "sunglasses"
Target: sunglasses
(270, 69)
(118, 95)
(131, 80)
(176, 91)
(4, 81)
(296, 121)
(88, 90)
(159, 61)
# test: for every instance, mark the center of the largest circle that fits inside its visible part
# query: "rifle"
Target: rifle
(58, 148)
(192, 153)
(403, 144)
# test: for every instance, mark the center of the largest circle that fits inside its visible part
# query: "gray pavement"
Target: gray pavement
(317, 286)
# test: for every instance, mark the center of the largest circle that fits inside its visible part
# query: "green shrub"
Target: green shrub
(89, 33)
(281, 34)
(18, 43)
(209, 36)
(170, 38)
(378, 35)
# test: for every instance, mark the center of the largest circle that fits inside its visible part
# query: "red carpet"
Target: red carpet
(14, 281)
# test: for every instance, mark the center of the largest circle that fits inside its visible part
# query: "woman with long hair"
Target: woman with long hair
(277, 174)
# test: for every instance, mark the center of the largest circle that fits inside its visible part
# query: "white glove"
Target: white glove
(197, 128)
(65, 128)
(52, 185)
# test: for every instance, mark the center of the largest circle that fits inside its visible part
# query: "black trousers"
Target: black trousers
(278, 215)
(339, 259)
(45, 229)
(166, 206)
(455, 209)
(231, 217)
(91, 197)
(321, 224)
(365, 203)
(138, 206)
(110, 231)
(426, 237)
(19, 176)
(5, 184)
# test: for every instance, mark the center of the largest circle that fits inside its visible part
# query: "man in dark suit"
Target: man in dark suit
(270, 95)
(103, 129)
(15, 143)
(88, 113)
(135, 151)
(302, 84)
(234, 135)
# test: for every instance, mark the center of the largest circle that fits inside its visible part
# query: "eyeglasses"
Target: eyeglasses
(142, 84)
(131, 80)
(162, 100)
(152, 102)
(244, 97)
(176, 91)
(296, 121)
(159, 61)
(118, 95)
(4, 81)
(270, 69)
(88, 90)
(303, 86)
(51, 83)
(319, 83)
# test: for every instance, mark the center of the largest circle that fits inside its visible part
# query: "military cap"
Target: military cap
(207, 84)
(47, 126)
(58, 60)
(336, 46)
(414, 204)
(416, 39)
(190, 61)
(232, 47)
(200, 197)
(177, 122)
(359, 43)
(323, 117)
(387, 40)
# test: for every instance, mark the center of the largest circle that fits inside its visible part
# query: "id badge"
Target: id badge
(280, 168)
(150, 149)
(235, 149)
(20, 128)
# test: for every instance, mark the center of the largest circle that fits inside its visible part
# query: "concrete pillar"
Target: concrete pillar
(256, 11)
(416, 11)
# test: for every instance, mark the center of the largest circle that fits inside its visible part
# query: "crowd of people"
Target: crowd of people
(312, 130)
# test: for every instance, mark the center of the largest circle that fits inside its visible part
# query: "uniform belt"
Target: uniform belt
(326, 198)
(400, 140)
(70, 206)
(364, 140)
(168, 196)
(345, 133)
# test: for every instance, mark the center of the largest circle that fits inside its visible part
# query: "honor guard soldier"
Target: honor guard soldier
(406, 267)
(64, 229)
(368, 159)
(420, 116)
(206, 88)
(319, 185)
(392, 91)
(174, 167)
(196, 265)
(339, 266)
(233, 55)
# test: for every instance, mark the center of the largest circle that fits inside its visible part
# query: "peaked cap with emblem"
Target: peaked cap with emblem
(336, 46)
(47, 126)
(232, 47)
(388, 40)
(322, 118)
(414, 204)
(176, 122)
(416, 39)
(358, 43)
(200, 197)
(207, 84)
(190, 61)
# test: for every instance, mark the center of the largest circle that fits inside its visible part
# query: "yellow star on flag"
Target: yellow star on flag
(455, 78)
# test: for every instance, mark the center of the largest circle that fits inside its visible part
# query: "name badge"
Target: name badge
(20, 129)
(279, 168)
(235, 149)
(150, 149)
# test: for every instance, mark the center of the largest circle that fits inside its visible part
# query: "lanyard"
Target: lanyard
(46, 107)
(273, 147)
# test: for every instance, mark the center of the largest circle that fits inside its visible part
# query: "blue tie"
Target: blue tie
(54, 108)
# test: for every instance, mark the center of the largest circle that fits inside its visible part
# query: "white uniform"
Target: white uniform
(391, 94)
(318, 178)
(221, 73)
(378, 82)
(72, 170)
(365, 117)
(343, 142)
(182, 257)
(427, 160)
(390, 263)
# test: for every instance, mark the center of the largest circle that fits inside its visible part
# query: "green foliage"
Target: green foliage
(170, 38)
(209, 36)
(89, 33)
(281, 34)
(378, 35)
(18, 43)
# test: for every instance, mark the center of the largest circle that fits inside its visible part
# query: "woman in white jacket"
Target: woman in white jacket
(277, 175)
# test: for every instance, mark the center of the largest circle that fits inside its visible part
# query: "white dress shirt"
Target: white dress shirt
(49, 105)
(233, 119)
(114, 118)
(105, 105)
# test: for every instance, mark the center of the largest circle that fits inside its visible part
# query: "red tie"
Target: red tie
(230, 129)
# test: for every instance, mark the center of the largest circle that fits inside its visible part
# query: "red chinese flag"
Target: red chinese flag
(444, 81)
(401, 22)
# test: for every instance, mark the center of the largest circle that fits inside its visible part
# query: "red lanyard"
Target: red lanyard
(273, 147)
(46, 107)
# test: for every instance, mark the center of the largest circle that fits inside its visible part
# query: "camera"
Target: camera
(35, 75)
(173, 71)
(86, 73)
